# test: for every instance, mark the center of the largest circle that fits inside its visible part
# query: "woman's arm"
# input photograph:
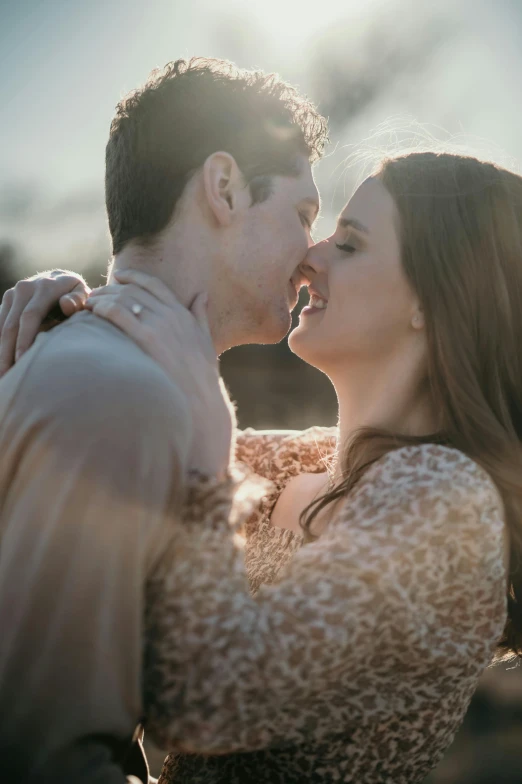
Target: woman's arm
(391, 590)
(386, 595)
(269, 452)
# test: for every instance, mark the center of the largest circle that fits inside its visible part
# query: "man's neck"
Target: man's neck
(153, 263)
(183, 276)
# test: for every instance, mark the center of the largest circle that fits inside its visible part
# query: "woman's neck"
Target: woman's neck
(393, 396)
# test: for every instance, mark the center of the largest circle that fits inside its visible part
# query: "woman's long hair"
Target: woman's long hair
(461, 238)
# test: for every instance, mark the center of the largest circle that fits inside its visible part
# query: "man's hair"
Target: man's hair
(163, 132)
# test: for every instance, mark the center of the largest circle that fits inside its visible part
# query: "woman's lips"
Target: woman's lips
(317, 303)
(309, 310)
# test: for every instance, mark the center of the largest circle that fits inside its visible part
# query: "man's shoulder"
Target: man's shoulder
(87, 365)
(95, 349)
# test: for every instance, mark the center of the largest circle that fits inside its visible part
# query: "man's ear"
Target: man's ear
(224, 187)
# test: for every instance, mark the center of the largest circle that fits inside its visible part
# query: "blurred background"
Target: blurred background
(386, 73)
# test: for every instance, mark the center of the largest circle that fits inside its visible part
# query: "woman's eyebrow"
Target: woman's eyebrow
(344, 223)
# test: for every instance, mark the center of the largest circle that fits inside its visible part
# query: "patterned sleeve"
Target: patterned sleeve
(393, 588)
(266, 452)
(257, 448)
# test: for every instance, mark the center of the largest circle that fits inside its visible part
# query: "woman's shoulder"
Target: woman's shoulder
(433, 468)
(427, 525)
(276, 454)
(425, 488)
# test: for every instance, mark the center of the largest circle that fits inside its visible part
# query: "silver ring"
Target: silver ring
(136, 309)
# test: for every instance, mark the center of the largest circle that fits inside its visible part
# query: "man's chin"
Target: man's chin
(277, 335)
(266, 323)
(277, 328)
(293, 301)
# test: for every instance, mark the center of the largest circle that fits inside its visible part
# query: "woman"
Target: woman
(408, 584)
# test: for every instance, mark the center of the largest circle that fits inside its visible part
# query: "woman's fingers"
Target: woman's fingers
(155, 328)
(171, 318)
(127, 295)
(179, 341)
(119, 315)
(151, 284)
(142, 328)
(75, 300)
(47, 293)
(109, 288)
(199, 311)
(5, 307)
(15, 304)
(25, 307)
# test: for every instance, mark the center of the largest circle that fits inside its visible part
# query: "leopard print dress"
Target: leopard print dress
(354, 658)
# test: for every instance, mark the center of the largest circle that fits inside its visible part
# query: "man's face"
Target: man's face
(262, 273)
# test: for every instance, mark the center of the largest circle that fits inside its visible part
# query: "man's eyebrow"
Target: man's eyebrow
(344, 223)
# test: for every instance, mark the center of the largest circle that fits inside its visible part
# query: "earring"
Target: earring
(416, 321)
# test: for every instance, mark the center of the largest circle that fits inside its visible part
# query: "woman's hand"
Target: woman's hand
(25, 307)
(180, 341)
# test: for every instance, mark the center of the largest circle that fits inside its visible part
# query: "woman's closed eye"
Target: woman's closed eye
(346, 248)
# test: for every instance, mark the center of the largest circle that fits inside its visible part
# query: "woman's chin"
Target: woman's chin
(303, 344)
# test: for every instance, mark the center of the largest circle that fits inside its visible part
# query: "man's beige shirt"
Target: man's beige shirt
(94, 439)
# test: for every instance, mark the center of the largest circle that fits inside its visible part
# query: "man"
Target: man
(209, 188)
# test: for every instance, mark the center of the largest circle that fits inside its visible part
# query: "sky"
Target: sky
(385, 71)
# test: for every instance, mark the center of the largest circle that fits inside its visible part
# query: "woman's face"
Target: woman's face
(371, 312)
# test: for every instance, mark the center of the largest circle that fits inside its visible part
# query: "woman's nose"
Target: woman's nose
(315, 261)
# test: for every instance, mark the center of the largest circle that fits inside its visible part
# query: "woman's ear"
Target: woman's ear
(224, 187)
(417, 319)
